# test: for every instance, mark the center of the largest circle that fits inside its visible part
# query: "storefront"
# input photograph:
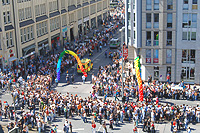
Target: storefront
(79, 27)
(29, 52)
(86, 25)
(93, 23)
(43, 47)
(55, 41)
(99, 20)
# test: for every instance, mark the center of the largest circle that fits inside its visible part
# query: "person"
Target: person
(189, 130)
(70, 127)
(55, 129)
(72, 77)
(67, 78)
(106, 53)
(93, 127)
(135, 130)
(104, 127)
(83, 79)
(65, 129)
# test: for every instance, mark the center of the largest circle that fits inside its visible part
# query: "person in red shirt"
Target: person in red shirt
(93, 127)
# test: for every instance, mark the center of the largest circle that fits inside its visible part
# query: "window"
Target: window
(189, 36)
(148, 17)
(4, 17)
(156, 39)
(189, 20)
(169, 4)
(194, 5)
(169, 38)
(169, 69)
(7, 40)
(62, 4)
(169, 20)
(8, 17)
(148, 5)
(26, 34)
(54, 24)
(148, 38)
(185, 4)
(188, 73)
(11, 39)
(188, 56)
(169, 56)
(155, 55)
(156, 73)
(156, 4)
(156, 20)
(148, 55)
(5, 2)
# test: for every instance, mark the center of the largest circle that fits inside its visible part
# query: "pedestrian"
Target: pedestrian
(65, 129)
(189, 130)
(83, 79)
(72, 77)
(55, 129)
(93, 127)
(70, 127)
(104, 127)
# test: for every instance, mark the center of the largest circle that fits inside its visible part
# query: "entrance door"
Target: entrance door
(71, 34)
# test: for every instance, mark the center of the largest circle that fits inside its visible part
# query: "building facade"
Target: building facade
(188, 46)
(151, 35)
(29, 28)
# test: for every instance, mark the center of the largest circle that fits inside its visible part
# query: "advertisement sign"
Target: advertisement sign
(148, 60)
(125, 52)
(155, 60)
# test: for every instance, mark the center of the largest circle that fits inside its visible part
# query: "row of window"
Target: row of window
(41, 29)
(156, 38)
(24, 13)
(157, 76)
(156, 20)
(6, 17)
(186, 4)
(156, 56)
(26, 34)
(54, 24)
(40, 9)
(149, 4)
(5, 2)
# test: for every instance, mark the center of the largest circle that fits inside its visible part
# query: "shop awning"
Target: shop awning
(12, 59)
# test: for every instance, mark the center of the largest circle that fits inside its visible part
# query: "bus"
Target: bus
(114, 43)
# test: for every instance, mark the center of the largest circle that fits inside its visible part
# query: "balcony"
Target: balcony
(156, 24)
(155, 42)
(148, 43)
(148, 25)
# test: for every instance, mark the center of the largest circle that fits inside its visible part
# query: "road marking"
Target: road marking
(78, 129)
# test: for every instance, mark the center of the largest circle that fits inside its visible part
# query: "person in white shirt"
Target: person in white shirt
(83, 79)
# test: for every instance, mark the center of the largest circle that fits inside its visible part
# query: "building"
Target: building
(29, 28)
(151, 34)
(188, 48)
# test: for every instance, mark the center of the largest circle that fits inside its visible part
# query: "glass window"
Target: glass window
(193, 36)
(194, 20)
(155, 55)
(148, 38)
(169, 20)
(156, 4)
(148, 19)
(194, 1)
(11, 39)
(148, 2)
(4, 17)
(156, 20)
(185, 4)
(169, 56)
(7, 40)
(169, 38)
(28, 33)
(169, 4)
(156, 39)
(25, 35)
(32, 32)
(148, 55)
(8, 17)
(21, 32)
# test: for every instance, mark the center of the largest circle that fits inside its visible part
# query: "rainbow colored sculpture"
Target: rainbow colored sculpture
(76, 57)
(137, 70)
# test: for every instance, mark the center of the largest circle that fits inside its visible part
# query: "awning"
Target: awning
(12, 59)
